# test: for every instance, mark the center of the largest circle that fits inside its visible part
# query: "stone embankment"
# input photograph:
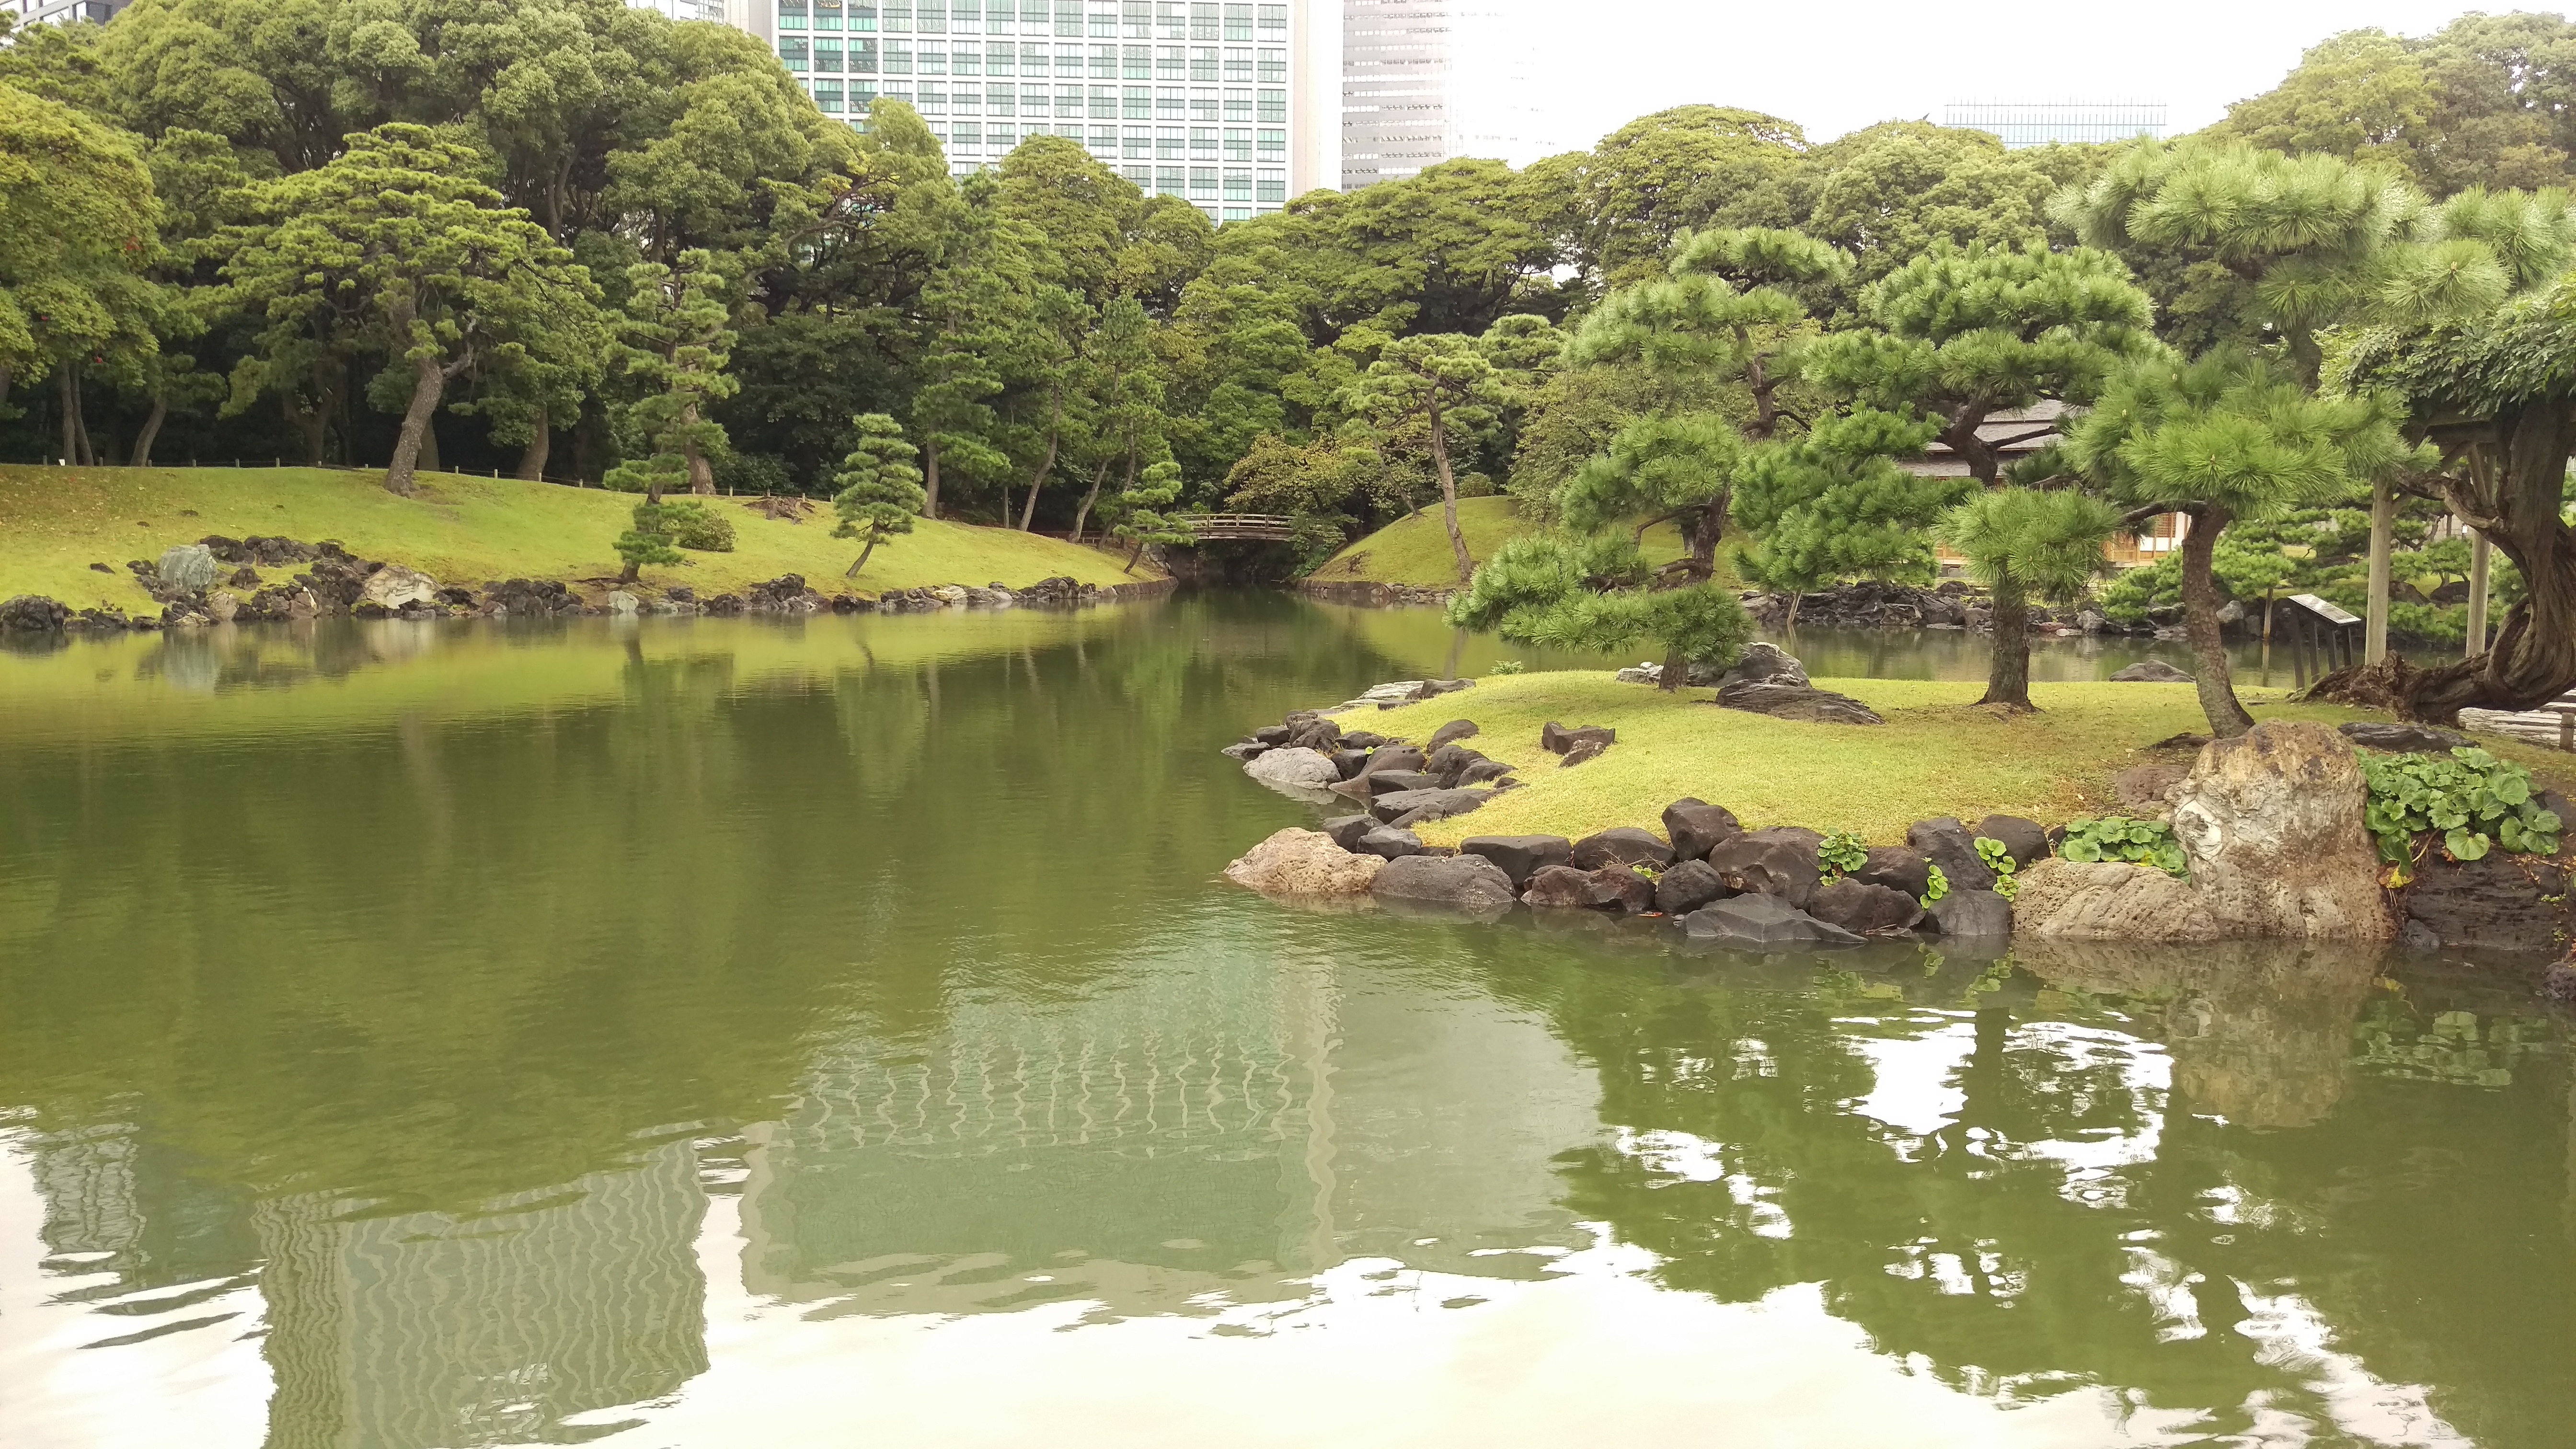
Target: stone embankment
(217, 580)
(2270, 828)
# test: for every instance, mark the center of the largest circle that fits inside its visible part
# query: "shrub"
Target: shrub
(2469, 798)
(1506, 666)
(2117, 837)
(694, 525)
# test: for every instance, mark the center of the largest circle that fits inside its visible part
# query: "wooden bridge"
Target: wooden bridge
(1228, 527)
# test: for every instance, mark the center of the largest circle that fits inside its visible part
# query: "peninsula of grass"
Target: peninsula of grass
(1413, 551)
(1940, 753)
(57, 522)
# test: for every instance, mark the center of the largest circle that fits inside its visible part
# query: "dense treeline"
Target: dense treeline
(569, 237)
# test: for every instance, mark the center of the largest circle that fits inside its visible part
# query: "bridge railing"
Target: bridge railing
(1216, 527)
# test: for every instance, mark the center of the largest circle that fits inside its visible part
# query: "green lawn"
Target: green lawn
(56, 522)
(1938, 754)
(1414, 550)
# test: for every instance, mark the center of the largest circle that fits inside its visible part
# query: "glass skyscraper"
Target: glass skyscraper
(2025, 123)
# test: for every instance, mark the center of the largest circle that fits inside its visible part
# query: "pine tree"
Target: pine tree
(880, 488)
(2021, 542)
(1140, 519)
(1447, 384)
(676, 346)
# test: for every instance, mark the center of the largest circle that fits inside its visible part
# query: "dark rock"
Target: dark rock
(244, 577)
(1388, 782)
(1897, 867)
(680, 594)
(1415, 807)
(1953, 849)
(1396, 757)
(1273, 735)
(1581, 752)
(1621, 845)
(1764, 663)
(1863, 908)
(1687, 887)
(1697, 826)
(1519, 856)
(1456, 729)
(1364, 739)
(1245, 750)
(2026, 840)
(1762, 862)
(2403, 739)
(1346, 830)
(1562, 887)
(456, 598)
(1802, 703)
(2495, 903)
(1350, 762)
(1757, 922)
(2417, 937)
(2558, 983)
(1317, 734)
(1481, 772)
(1450, 759)
(1389, 842)
(100, 568)
(1459, 882)
(1556, 739)
(1978, 914)
(33, 614)
(722, 606)
(524, 598)
(2151, 671)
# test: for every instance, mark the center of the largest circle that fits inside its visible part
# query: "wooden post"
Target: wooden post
(2478, 548)
(2298, 649)
(2383, 527)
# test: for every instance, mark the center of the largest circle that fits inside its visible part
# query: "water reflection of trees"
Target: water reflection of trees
(2148, 1170)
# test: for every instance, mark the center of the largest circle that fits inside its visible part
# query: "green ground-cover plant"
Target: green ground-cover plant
(2117, 837)
(1938, 887)
(1998, 858)
(2473, 801)
(1843, 851)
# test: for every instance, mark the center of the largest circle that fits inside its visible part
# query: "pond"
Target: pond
(748, 1033)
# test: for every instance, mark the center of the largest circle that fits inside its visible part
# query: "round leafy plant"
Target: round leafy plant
(2469, 799)
(2119, 838)
(1843, 852)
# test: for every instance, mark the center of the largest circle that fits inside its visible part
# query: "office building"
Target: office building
(1426, 81)
(58, 12)
(2038, 124)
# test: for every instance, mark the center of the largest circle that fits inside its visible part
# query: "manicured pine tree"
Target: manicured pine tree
(1447, 385)
(676, 347)
(1141, 520)
(2021, 542)
(880, 487)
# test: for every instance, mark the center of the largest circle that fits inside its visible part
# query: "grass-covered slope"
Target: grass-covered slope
(56, 522)
(1414, 550)
(1938, 754)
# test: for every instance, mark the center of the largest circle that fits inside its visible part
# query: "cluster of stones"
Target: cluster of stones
(1061, 592)
(1954, 605)
(1398, 783)
(1766, 680)
(2271, 827)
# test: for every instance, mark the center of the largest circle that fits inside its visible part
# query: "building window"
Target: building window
(1001, 103)
(795, 50)
(1142, 177)
(970, 134)
(827, 95)
(1068, 60)
(1171, 143)
(933, 58)
(1238, 108)
(968, 100)
(1203, 63)
(791, 16)
(897, 91)
(1237, 213)
(1136, 62)
(966, 60)
(863, 57)
(1070, 133)
(896, 14)
(827, 55)
(1104, 62)
(1104, 103)
(862, 16)
(1104, 142)
(1238, 146)
(930, 17)
(1274, 107)
(1033, 60)
(1238, 22)
(1273, 186)
(1033, 100)
(1137, 19)
(827, 15)
(999, 58)
(862, 93)
(1068, 103)
(1172, 63)
(1274, 146)
(1169, 181)
(1202, 143)
(1171, 21)
(1203, 105)
(1068, 18)
(1274, 67)
(898, 57)
(1203, 21)
(1171, 105)
(1274, 18)
(1001, 138)
(1136, 103)
(1136, 143)
(1238, 186)
(1104, 24)
(966, 17)
(1238, 66)
(934, 99)
(939, 129)
(1203, 183)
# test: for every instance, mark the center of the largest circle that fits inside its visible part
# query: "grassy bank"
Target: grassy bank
(56, 522)
(1414, 550)
(1938, 754)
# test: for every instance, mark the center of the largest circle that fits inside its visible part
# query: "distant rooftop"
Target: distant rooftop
(2036, 123)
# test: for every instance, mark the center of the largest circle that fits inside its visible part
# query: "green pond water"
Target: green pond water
(761, 1034)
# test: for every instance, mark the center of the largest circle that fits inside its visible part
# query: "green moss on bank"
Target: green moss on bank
(1939, 753)
(1414, 550)
(56, 522)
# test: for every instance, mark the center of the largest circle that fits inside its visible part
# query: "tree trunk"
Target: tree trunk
(141, 457)
(2008, 668)
(1449, 494)
(631, 572)
(2227, 717)
(71, 417)
(1134, 554)
(541, 445)
(1055, 419)
(2383, 529)
(930, 476)
(863, 556)
(1082, 515)
(702, 474)
(428, 385)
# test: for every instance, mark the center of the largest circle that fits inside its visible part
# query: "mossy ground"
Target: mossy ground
(56, 522)
(1414, 550)
(1939, 753)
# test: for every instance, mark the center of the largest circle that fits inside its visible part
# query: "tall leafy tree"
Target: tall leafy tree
(1448, 385)
(78, 232)
(676, 342)
(880, 488)
(395, 239)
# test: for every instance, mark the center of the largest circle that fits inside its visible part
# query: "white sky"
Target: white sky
(1837, 65)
